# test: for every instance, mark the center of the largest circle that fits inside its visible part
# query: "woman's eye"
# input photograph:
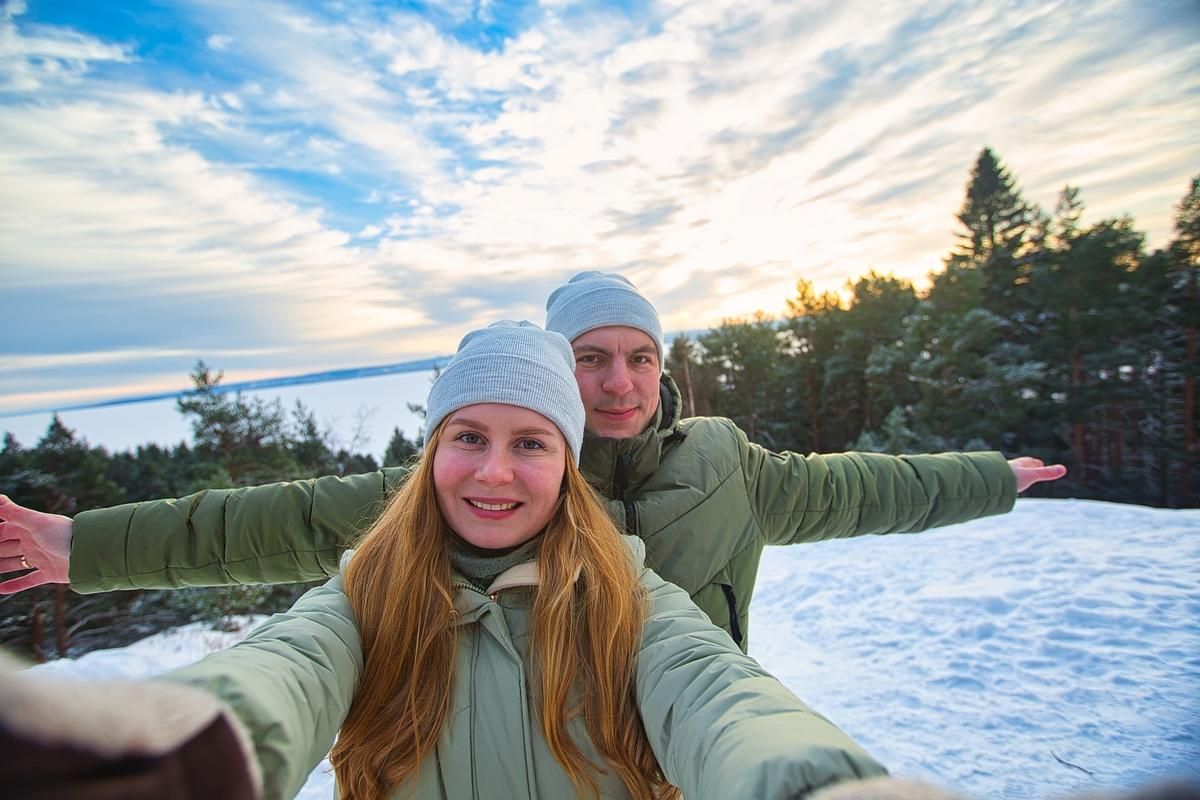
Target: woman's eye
(530, 444)
(466, 437)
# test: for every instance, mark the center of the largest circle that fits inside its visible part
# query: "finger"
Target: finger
(11, 547)
(22, 583)
(13, 531)
(1050, 473)
(12, 563)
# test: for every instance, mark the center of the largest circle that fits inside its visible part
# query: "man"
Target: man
(705, 500)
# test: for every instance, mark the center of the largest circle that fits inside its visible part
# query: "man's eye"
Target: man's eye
(588, 359)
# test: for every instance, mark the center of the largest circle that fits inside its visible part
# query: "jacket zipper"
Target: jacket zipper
(621, 484)
(735, 629)
(476, 633)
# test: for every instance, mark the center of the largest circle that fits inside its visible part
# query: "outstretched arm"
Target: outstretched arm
(719, 724)
(799, 498)
(289, 684)
(32, 540)
(277, 533)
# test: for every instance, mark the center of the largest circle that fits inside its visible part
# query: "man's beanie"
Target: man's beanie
(515, 363)
(593, 300)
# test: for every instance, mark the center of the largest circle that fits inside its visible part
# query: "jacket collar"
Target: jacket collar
(615, 466)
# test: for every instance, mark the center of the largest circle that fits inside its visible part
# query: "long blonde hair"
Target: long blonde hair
(588, 613)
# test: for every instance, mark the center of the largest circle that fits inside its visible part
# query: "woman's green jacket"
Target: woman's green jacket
(719, 725)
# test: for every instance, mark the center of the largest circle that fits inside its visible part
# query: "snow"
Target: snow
(1046, 652)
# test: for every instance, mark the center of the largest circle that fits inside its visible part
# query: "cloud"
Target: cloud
(42, 54)
(484, 152)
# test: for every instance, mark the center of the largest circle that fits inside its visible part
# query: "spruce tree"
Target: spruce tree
(400, 450)
(996, 219)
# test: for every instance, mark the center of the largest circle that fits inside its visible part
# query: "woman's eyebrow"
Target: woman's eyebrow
(533, 431)
(468, 423)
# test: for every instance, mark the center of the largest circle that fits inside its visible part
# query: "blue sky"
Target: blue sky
(286, 188)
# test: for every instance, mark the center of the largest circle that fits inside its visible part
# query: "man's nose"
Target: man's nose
(616, 379)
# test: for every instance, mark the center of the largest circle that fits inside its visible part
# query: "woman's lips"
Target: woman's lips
(492, 508)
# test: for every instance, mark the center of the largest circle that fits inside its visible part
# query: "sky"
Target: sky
(286, 188)
(977, 657)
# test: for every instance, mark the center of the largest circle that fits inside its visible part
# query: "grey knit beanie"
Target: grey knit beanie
(593, 300)
(516, 363)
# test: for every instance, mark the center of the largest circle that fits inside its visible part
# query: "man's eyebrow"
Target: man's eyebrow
(593, 348)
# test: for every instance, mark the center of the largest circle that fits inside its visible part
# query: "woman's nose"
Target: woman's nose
(495, 468)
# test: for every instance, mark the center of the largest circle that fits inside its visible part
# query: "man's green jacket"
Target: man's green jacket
(703, 498)
(719, 725)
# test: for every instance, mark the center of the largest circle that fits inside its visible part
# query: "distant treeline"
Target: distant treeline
(1039, 337)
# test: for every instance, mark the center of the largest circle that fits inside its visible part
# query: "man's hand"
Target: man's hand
(1028, 471)
(33, 540)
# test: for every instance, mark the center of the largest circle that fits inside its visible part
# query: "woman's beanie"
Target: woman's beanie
(593, 300)
(515, 363)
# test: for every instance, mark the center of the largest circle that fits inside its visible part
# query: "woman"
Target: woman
(495, 636)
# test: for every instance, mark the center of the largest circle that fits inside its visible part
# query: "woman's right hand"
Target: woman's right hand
(33, 540)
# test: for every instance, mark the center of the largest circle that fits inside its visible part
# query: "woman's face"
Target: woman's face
(497, 471)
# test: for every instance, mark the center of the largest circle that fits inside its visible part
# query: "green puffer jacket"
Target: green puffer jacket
(705, 500)
(719, 725)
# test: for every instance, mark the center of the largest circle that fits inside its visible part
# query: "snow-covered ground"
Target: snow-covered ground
(1050, 651)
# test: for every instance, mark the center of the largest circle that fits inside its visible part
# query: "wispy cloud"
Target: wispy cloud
(352, 183)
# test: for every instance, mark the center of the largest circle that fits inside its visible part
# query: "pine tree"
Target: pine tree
(400, 450)
(80, 479)
(996, 219)
(745, 355)
(1094, 322)
(246, 440)
(864, 377)
(1176, 340)
(970, 337)
(812, 324)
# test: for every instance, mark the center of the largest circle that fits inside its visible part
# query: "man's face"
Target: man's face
(617, 371)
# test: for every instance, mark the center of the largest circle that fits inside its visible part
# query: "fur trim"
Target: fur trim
(111, 718)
